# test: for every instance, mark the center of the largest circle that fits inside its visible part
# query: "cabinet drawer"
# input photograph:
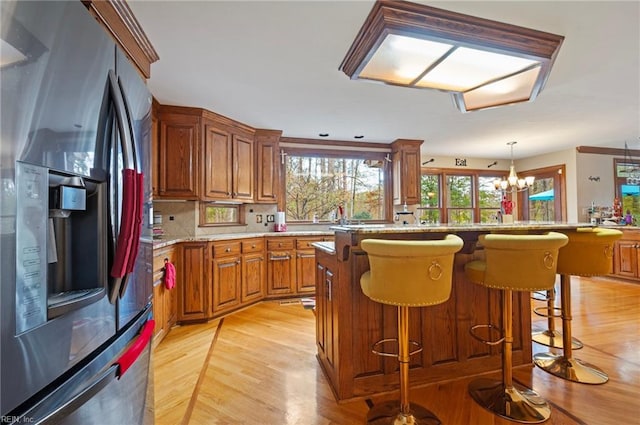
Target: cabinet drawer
(220, 249)
(159, 257)
(305, 243)
(252, 245)
(274, 244)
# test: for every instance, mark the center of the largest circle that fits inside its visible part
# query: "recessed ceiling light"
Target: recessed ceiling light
(323, 134)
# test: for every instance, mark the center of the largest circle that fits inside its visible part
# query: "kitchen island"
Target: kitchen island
(348, 323)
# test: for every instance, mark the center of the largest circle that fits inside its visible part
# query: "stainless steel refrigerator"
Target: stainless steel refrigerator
(75, 295)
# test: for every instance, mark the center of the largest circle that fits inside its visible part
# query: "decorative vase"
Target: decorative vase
(507, 218)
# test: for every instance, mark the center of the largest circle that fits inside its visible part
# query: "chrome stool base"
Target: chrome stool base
(554, 339)
(570, 369)
(520, 405)
(388, 413)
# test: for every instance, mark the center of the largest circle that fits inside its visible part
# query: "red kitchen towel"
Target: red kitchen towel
(169, 275)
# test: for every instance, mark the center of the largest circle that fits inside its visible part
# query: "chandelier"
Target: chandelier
(513, 182)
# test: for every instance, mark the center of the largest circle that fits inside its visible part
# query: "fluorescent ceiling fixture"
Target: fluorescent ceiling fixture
(482, 63)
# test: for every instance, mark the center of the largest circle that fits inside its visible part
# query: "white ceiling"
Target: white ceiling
(274, 65)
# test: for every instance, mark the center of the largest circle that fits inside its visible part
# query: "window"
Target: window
(216, 214)
(459, 198)
(317, 185)
(464, 198)
(489, 199)
(545, 201)
(430, 194)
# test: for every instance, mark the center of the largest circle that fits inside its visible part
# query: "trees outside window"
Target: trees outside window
(317, 187)
(463, 199)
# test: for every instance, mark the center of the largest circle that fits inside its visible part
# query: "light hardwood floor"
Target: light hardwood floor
(258, 366)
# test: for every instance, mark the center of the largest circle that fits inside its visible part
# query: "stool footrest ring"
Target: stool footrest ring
(546, 314)
(374, 350)
(540, 296)
(486, 341)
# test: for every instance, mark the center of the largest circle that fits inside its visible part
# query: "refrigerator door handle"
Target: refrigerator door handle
(139, 181)
(130, 356)
(81, 398)
(125, 240)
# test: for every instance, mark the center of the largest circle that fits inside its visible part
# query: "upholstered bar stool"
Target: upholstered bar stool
(513, 263)
(588, 253)
(407, 274)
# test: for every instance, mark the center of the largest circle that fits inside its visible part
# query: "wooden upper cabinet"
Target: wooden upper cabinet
(242, 168)
(406, 171)
(177, 153)
(203, 156)
(267, 166)
(217, 168)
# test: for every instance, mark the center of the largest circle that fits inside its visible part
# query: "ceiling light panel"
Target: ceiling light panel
(478, 60)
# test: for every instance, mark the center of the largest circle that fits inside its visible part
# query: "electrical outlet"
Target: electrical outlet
(258, 218)
(271, 218)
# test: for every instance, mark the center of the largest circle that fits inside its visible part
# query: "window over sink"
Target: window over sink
(319, 184)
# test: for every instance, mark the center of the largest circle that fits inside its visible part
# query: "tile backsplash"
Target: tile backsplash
(180, 219)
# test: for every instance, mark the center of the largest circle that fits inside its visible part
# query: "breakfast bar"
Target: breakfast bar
(348, 323)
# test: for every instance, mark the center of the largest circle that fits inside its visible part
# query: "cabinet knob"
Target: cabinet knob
(253, 246)
(227, 250)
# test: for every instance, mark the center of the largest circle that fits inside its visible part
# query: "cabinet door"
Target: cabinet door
(306, 271)
(326, 330)
(280, 273)
(226, 283)
(193, 294)
(626, 258)
(242, 167)
(267, 166)
(217, 163)
(253, 270)
(411, 176)
(178, 157)
(406, 171)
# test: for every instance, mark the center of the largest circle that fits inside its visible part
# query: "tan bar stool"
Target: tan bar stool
(513, 263)
(407, 274)
(588, 253)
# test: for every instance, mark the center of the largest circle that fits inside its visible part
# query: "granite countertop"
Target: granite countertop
(326, 246)
(161, 243)
(474, 227)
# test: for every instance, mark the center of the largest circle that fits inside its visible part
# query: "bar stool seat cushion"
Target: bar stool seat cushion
(589, 252)
(505, 267)
(409, 273)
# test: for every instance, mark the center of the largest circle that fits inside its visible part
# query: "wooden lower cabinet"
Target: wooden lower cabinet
(281, 266)
(626, 255)
(253, 271)
(193, 301)
(217, 278)
(226, 270)
(306, 265)
(164, 300)
(291, 266)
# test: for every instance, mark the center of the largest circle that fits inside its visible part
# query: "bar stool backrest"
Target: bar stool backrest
(589, 252)
(521, 262)
(409, 273)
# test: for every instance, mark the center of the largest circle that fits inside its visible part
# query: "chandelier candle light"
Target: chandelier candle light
(514, 184)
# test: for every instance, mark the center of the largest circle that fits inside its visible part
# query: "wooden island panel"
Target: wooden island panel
(355, 323)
